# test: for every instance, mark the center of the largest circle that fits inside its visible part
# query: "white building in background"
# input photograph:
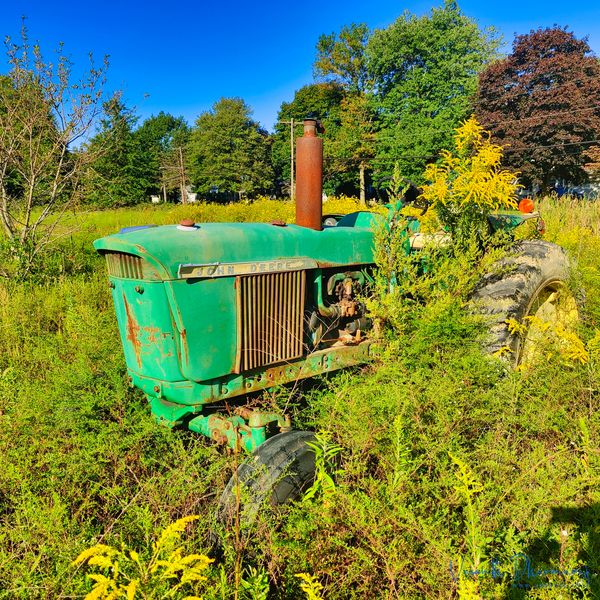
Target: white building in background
(190, 196)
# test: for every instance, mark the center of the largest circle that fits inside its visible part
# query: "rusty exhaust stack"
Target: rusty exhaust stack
(309, 177)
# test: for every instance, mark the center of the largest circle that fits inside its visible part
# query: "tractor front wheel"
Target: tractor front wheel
(277, 472)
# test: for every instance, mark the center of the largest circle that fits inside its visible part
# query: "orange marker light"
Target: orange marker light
(526, 205)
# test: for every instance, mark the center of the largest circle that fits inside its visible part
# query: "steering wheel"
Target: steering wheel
(330, 220)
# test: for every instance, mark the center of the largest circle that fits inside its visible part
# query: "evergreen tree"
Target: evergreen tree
(118, 176)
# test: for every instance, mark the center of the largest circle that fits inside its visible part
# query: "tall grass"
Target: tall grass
(261, 210)
(82, 462)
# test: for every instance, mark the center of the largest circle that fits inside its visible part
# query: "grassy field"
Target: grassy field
(450, 468)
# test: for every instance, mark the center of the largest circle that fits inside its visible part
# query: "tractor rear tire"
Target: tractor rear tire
(276, 473)
(531, 280)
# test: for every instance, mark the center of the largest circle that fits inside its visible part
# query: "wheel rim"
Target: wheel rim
(551, 316)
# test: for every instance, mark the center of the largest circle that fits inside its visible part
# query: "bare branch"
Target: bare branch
(44, 114)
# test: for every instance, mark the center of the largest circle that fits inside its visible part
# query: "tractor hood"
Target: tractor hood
(177, 289)
(174, 252)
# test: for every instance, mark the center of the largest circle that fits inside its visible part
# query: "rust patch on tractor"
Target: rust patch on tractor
(325, 264)
(153, 334)
(133, 330)
(184, 345)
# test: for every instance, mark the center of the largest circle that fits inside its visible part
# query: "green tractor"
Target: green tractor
(211, 313)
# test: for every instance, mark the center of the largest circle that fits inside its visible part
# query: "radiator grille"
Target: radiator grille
(127, 266)
(270, 318)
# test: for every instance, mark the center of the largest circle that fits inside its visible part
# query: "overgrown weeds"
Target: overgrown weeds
(457, 476)
(82, 462)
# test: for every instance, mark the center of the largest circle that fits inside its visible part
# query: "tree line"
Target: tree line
(388, 98)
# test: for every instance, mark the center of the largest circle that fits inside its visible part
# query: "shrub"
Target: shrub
(468, 184)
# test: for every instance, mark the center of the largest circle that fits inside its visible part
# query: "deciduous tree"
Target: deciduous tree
(353, 146)
(174, 165)
(342, 58)
(45, 113)
(541, 102)
(161, 139)
(229, 152)
(425, 74)
(319, 100)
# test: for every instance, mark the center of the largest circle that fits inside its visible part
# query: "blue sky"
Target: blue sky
(182, 56)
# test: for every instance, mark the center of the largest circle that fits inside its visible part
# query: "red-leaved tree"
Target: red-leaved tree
(543, 103)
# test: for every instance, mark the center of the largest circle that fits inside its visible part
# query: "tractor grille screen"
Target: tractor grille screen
(127, 266)
(270, 318)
